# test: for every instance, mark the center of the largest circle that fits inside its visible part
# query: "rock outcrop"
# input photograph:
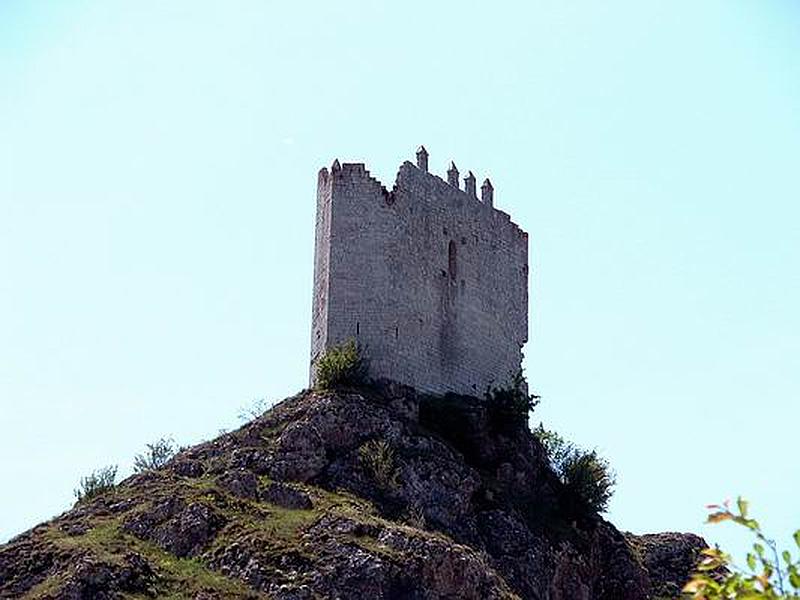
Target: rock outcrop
(667, 557)
(348, 494)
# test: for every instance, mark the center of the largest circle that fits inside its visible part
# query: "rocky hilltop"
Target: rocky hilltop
(359, 493)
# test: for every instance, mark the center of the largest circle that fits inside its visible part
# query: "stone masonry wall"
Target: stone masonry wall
(428, 279)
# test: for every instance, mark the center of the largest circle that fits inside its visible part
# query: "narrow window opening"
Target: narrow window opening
(358, 328)
(452, 249)
(396, 332)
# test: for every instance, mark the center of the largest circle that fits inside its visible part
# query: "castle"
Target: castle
(431, 281)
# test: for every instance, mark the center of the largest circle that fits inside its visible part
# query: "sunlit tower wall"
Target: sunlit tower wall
(428, 278)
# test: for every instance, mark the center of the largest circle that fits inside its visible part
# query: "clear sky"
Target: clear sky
(158, 167)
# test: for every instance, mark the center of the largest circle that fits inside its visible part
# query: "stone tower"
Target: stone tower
(431, 281)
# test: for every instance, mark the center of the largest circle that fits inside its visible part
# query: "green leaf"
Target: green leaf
(787, 557)
(751, 561)
(742, 504)
(797, 538)
(794, 578)
(759, 549)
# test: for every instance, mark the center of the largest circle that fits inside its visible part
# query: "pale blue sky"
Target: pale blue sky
(157, 177)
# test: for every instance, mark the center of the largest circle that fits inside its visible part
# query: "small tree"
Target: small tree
(768, 575)
(96, 483)
(341, 365)
(509, 407)
(155, 457)
(587, 477)
(255, 410)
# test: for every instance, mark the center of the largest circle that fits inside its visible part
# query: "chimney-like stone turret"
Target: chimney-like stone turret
(470, 184)
(422, 158)
(452, 175)
(487, 192)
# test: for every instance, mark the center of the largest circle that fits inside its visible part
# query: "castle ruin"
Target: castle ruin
(430, 280)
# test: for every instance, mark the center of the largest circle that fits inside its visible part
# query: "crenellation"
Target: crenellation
(452, 175)
(429, 279)
(469, 185)
(422, 158)
(487, 192)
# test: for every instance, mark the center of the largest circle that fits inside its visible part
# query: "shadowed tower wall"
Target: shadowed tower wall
(431, 281)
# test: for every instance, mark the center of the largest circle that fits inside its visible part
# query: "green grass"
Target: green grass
(375, 547)
(178, 578)
(276, 531)
(47, 588)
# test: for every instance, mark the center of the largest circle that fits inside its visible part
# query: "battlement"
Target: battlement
(430, 279)
(432, 186)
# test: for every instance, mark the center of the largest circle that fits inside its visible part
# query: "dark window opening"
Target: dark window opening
(452, 249)
(396, 332)
(358, 328)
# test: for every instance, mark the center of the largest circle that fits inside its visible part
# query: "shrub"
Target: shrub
(509, 407)
(341, 365)
(377, 458)
(155, 457)
(768, 576)
(587, 477)
(96, 483)
(557, 448)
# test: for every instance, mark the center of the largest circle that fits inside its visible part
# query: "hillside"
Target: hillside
(349, 494)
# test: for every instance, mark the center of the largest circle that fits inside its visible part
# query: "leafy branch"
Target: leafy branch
(770, 574)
